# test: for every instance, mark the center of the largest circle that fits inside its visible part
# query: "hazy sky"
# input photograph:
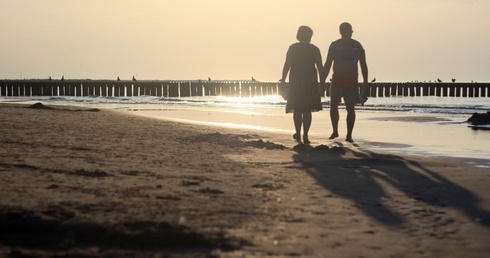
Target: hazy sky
(405, 40)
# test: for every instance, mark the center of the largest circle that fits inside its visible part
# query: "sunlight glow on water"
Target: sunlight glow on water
(260, 99)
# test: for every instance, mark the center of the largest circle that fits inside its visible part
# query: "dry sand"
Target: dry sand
(100, 183)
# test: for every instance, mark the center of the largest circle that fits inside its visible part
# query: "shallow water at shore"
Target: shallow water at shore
(416, 134)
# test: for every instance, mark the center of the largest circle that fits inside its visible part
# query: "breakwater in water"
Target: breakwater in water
(183, 88)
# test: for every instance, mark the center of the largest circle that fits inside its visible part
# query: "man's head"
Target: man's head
(304, 34)
(345, 30)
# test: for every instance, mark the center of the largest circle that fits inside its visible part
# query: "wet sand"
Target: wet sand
(98, 183)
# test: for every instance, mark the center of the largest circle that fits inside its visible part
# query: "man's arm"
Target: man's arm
(326, 67)
(364, 69)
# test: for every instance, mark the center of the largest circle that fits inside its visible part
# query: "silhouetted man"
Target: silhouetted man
(345, 53)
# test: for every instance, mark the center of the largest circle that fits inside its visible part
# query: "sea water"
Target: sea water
(448, 135)
(425, 105)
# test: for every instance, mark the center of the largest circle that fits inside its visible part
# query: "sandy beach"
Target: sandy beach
(90, 182)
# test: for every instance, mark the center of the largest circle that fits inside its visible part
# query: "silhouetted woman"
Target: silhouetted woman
(304, 63)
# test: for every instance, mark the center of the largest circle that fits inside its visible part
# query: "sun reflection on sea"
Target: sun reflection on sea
(252, 100)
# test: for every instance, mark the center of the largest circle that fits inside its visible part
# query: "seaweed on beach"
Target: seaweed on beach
(39, 105)
(479, 119)
(235, 140)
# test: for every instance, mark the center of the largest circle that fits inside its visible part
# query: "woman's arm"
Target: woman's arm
(285, 69)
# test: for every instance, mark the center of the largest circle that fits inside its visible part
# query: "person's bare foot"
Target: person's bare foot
(349, 140)
(333, 136)
(297, 137)
(305, 139)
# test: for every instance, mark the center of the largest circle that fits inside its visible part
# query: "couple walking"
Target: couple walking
(304, 64)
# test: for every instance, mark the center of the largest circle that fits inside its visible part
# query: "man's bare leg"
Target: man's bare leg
(334, 118)
(351, 120)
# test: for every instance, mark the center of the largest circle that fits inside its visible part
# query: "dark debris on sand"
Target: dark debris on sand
(319, 149)
(260, 144)
(479, 119)
(237, 141)
(40, 105)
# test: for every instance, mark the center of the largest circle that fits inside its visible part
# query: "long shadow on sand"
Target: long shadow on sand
(363, 177)
(42, 232)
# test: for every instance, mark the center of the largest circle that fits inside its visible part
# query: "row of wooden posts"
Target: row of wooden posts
(106, 88)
